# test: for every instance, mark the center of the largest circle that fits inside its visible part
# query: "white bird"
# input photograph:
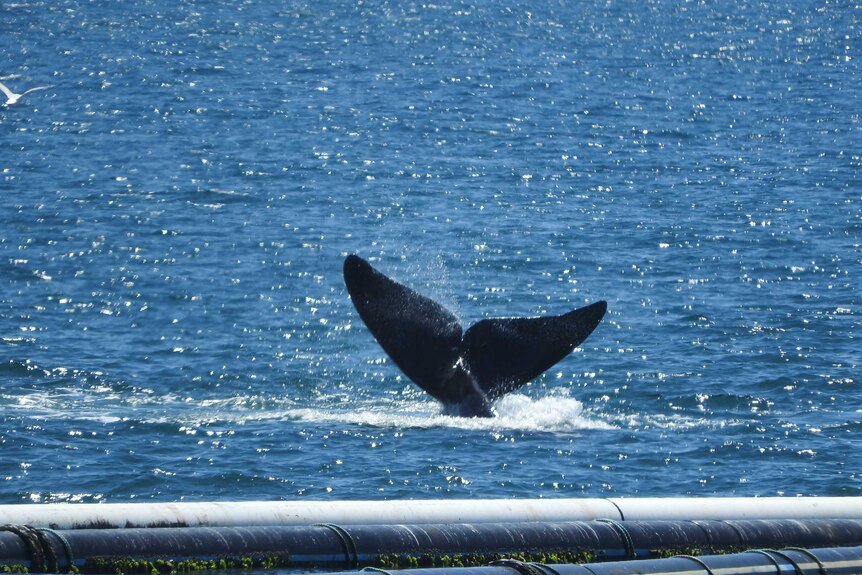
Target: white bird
(12, 97)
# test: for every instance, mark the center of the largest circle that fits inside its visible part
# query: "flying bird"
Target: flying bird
(12, 97)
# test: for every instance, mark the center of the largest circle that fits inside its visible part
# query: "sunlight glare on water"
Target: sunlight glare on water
(175, 213)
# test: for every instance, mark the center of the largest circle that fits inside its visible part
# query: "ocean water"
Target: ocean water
(176, 208)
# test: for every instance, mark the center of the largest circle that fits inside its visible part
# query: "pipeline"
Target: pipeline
(331, 546)
(246, 513)
(822, 561)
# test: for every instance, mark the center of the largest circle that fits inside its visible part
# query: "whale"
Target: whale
(466, 371)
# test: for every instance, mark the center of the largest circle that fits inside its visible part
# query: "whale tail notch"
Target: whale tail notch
(464, 371)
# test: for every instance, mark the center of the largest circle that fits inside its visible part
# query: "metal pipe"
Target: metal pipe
(656, 509)
(335, 546)
(246, 513)
(834, 561)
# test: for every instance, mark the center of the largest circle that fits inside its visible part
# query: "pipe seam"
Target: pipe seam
(624, 533)
(619, 509)
(32, 542)
(821, 568)
(768, 555)
(703, 530)
(376, 570)
(545, 568)
(518, 566)
(796, 567)
(351, 551)
(742, 539)
(700, 562)
(51, 564)
(67, 547)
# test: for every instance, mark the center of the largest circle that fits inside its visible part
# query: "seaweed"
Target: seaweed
(129, 566)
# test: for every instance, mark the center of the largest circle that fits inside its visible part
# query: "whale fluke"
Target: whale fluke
(466, 372)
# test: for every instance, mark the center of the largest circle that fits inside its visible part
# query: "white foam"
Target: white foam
(556, 413)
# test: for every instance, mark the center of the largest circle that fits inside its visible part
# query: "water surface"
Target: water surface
(175, 211)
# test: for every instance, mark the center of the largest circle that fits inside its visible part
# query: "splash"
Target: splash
(555, 413)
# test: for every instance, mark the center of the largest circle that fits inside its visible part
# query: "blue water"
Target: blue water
(175, 210)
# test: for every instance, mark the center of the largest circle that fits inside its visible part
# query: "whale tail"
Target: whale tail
(463, 370)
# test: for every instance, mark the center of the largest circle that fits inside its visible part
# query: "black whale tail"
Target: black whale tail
(465, 371)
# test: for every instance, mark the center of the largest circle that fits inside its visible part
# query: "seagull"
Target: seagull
(12, 97)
